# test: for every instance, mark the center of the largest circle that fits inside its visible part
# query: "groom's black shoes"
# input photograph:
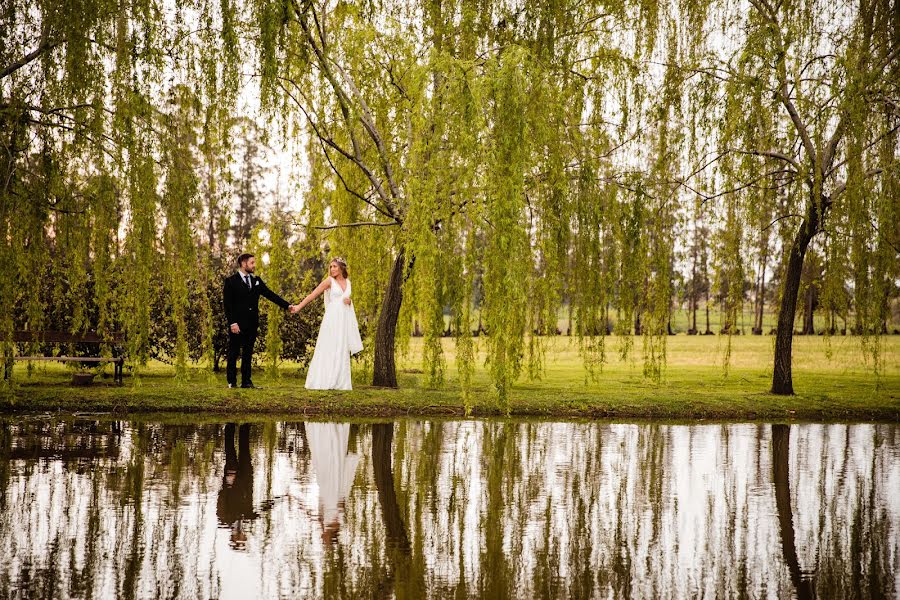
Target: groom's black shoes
(246, 386)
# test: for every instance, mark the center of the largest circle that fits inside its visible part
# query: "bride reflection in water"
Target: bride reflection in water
(335, 469)
(235, 503)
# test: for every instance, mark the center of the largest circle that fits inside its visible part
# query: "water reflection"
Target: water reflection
(468, 509)
(335, 469)
(235, 502)
(781, 441)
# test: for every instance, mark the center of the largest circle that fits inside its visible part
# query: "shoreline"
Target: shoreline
(833, 383)
(375, 403)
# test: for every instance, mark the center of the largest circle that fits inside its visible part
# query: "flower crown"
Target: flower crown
(339, 260)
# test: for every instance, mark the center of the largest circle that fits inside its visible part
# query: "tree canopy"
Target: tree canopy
(480, 163)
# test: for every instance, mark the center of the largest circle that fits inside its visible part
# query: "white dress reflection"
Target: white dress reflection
(335, 469)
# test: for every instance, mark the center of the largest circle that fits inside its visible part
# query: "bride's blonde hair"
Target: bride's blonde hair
(342, 264)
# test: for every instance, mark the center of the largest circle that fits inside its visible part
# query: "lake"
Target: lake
(183, 507)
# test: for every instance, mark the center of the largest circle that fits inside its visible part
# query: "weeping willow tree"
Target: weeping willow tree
(459, 147)
(101, 169)
(473, 160)
(822, 77)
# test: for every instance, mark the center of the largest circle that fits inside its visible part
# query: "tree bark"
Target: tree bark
(761, 297)
(385, 370)
(708, 330)
(809, 311)
(782, 382)
(693, 300)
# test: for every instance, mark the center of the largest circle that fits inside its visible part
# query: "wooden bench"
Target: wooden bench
(116, 340)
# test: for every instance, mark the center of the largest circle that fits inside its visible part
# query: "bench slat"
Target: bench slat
(71, 358)
(63, 337)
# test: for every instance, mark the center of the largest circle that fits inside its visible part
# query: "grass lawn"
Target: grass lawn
(841, 387)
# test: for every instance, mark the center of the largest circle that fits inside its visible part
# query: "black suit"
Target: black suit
(242, 307)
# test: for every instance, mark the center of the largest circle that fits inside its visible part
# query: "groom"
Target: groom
(241, 295)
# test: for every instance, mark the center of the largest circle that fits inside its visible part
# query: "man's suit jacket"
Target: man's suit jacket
(242, 303)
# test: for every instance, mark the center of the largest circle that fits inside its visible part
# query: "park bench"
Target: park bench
(116, 340)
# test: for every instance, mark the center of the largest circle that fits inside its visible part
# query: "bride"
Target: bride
(338, 338)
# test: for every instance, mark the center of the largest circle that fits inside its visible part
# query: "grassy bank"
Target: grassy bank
(841, 386)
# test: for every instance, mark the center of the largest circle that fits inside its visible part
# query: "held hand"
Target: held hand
(347, 301)
(235, 328)
(294, 308)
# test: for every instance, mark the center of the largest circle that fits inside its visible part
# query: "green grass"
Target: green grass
(695, 386)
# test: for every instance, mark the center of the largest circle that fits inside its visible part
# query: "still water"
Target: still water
(98, 508)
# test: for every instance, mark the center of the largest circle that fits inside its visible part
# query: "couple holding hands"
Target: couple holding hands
(338, 337)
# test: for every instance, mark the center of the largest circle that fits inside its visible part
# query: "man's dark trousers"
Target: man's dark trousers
(240, 345)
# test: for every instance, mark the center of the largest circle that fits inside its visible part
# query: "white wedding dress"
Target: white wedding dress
(338, 338)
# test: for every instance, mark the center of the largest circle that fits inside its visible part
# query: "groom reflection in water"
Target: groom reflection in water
(335, 469)
(235, 504)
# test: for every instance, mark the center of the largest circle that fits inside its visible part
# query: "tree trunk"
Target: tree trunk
(762, 303)
(782, 382)
(692, 302)
(708, 330)
(693, 330)
(808, 312)
(781, 443)
(385, 371)
(382, 438)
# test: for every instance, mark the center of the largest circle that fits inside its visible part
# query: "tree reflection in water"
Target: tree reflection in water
(781, 443)
(475, 509)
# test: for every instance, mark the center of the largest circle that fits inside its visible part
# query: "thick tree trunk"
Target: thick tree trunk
(781, 474)
(385, 371)
(382, 438)
(782, 382)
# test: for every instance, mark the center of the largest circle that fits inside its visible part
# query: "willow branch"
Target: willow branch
(770, 154)
(326, 140)
(842, 186)
(344, 103)
(866, 147)
(747, 184)
(344, 182)
(781, 69)
(45, 45)
(781, 218)
(346, 225)
(365, 117)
